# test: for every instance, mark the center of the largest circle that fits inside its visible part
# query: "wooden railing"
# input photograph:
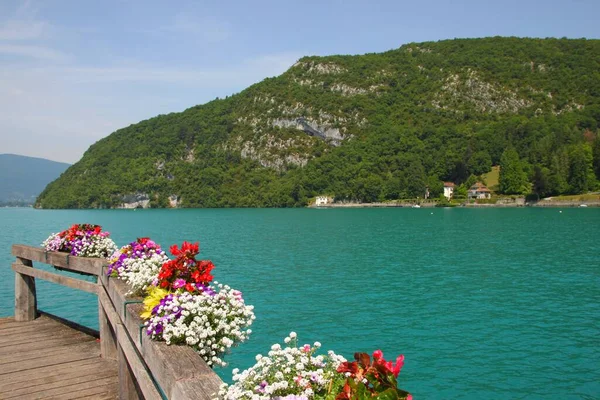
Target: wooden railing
(147, 369)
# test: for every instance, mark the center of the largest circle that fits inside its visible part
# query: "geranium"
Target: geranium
(288, 373)
(372, 380)
(137, 264)
(84, 240)
(211, 320)
(185, 272)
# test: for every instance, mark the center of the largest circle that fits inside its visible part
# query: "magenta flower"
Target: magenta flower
(179, 283)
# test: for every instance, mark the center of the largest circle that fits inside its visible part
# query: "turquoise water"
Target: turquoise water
(484, 304)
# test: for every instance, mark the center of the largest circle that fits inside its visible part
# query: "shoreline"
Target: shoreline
(541, 204)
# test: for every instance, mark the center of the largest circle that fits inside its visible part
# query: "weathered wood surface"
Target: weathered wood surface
(55, 278)
(45, 359)
(45, 345)
(91, 266)
(25, 296)
(179, 370)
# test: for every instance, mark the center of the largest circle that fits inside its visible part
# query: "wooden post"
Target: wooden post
(108, 337)
(127, 388)
(25, 296)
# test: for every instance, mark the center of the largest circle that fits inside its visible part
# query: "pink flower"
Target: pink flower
(409, 397)
(179, 283)
(377, 355)
(306, 348)
(237, 294)
(398, 366)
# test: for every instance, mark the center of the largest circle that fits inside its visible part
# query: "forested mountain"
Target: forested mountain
(23, 178)
(368, 127)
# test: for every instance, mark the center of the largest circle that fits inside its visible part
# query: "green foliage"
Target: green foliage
(411, 118)
(513, 179)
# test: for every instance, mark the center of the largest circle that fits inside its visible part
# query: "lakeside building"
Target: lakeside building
(448, 190)
(479, 191)
(323, 200)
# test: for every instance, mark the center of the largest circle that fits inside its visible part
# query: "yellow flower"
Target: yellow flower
(155, 295)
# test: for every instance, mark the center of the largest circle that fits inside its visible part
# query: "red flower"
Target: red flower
(186, 267)
(348, 366)
(377, 355)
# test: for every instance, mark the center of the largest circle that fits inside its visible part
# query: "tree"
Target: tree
(596, 156)
(480, 163)
(512, 177)
(416, 180)
(581, 175)
(540, 181)
(557, 175)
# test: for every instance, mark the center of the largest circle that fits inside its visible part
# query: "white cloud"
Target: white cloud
(22, 30)
(32, 51)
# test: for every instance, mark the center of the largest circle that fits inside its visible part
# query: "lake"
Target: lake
(483, 303)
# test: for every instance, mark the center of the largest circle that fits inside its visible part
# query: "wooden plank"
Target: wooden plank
(73, 347)
(36, 345)
(11, 323)
(112, 316)
(85, 351)
(51, 373)
(70, 324)
(116, 290)
(97, 393)
(127, 386)
(25, 295)
(61, 280)
(69, 382)
(173, 364)
(87, 265)
(59, 392)
(24, 338)
(108, 336)
(169, 365)
(32, 326)
(136, 367)
(200, 389)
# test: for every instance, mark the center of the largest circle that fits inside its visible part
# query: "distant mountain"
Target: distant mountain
(370, 127)
(23, 178)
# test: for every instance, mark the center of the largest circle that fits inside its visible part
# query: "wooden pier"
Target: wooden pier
(45, 358)
(42, 356)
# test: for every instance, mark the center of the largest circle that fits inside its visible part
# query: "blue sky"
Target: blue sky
(74, 71)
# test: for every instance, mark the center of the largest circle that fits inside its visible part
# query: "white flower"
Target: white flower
(293, 335)
(224, 327)
(288, 371)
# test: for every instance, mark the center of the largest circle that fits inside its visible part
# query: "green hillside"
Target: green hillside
(369, 127)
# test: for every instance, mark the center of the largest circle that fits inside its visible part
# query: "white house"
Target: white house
(448, 190)
(323, 200)
(479, 191)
